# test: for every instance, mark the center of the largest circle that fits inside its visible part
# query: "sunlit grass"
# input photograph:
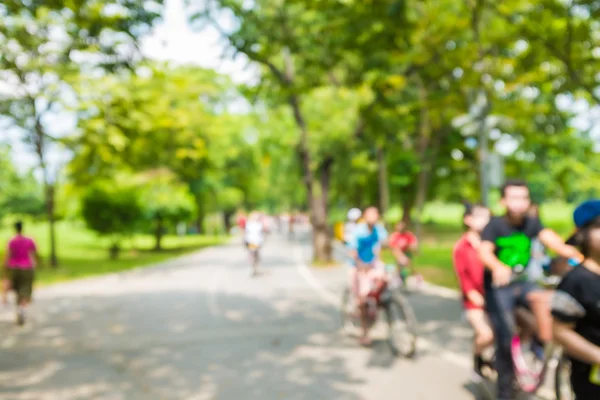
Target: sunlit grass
(82, 253)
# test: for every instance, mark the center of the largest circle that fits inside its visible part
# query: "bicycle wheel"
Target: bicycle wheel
(562, 379)
(530, 371)
(348, 313)
(402, 325)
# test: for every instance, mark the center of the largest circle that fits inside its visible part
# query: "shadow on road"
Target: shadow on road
(167, 345)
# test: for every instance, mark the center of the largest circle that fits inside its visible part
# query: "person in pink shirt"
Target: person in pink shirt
(20, 262)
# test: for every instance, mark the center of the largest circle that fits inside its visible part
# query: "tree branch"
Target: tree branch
(252, 55)
(566, 61)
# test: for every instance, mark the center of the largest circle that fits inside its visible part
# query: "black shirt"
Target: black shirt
(513, 243)
(577, 301)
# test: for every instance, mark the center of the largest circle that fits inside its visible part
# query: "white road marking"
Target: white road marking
(332, 299)
(303, 270)
(213, 287)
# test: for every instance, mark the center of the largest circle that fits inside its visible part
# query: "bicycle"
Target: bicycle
(530, 369)
(562, 379)
(400, 318)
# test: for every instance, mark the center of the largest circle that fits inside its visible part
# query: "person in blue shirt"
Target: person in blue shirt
(369, 272)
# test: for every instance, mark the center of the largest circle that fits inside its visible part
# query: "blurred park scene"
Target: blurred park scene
(136, 135)
(410, 106)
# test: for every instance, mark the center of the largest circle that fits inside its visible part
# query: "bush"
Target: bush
(111, 210)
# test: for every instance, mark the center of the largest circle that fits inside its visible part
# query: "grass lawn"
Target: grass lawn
(443, 229)
(82, 253)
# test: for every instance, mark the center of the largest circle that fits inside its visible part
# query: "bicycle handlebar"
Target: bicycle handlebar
(520, 275)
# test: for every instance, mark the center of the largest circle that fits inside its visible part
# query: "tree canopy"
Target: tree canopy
(392, 103)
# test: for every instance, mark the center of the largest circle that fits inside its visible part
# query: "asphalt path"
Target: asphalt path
(201, 328)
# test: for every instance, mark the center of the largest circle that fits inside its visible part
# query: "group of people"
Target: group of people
(20, 259)
(495, 249)
(492, 251)
(491, 259)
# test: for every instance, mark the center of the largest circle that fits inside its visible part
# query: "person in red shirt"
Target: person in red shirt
(469, 270)
(241, 220)
(403, 243)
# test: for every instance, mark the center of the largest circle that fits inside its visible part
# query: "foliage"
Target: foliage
(43, 45)
(111, 210)
(165, 201)
(20, 193)
(393, 104)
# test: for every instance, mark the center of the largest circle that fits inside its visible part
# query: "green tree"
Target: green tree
(43, 45)
(112, 210)
(166, 202)
(20, 193)
(165, 117)
(289, 43)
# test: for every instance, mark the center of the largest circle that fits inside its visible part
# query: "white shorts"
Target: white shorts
(362, 279)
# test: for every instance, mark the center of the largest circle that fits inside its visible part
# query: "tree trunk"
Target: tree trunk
(476, 20)
(200, 224)
(321, 235)
(40, 147)
(407, 206)
(227, 215)
(321, 240)
(52, 224)
(384, 195)
(201, 214)
(158, 234)
(424, 141)
(114, 251)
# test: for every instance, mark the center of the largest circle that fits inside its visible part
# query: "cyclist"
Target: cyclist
(369, 274)
(21, 259)
(353, 216)
(254, 236)
(469, 271)
(506, 245)
(402, 244)
(576, 306)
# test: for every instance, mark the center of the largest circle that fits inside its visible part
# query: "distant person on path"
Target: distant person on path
(241, 221)
(254, 235)
(20, 262)
(353, 216)
(403, 243)
(469, 270)
(369, 274)
(291, 222)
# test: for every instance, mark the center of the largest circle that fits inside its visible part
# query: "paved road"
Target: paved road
(199, 328)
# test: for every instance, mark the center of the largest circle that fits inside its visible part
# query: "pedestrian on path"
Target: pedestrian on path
(20, 262)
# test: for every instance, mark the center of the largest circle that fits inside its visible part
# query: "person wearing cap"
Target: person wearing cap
(576, 306)
(353, 216)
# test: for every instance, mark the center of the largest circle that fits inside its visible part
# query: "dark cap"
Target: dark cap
(586, 212)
